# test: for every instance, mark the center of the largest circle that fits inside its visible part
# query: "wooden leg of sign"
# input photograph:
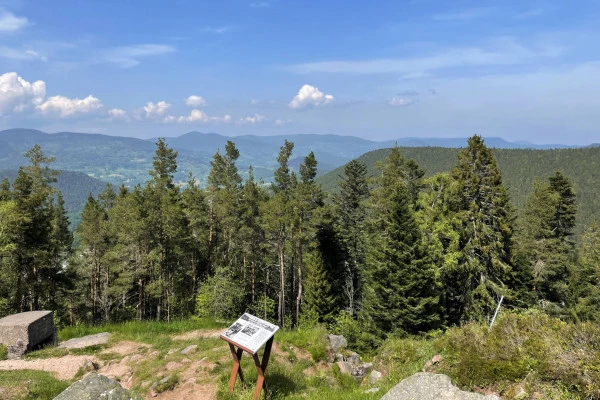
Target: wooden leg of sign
(237, 367)
(261, 367)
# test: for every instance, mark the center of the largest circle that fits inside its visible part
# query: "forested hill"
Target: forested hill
(75, 188)
(519, 167)
(126, 160)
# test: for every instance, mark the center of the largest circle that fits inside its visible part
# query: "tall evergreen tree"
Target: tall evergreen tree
(350, 228)
(474, 287)
(402, 294)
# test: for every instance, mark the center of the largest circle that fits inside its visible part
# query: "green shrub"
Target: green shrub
(531, 347)
(216, 299)
(359, 337)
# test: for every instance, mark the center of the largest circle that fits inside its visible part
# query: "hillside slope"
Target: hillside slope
(519, 168)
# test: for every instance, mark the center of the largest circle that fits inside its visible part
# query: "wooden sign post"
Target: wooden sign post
(250, 333)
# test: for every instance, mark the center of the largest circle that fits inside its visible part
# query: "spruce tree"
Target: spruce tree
(350, 228)
(402, 294)
(475, 285)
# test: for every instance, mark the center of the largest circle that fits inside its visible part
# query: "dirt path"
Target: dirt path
(64, 367)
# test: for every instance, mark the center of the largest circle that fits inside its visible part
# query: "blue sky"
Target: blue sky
(379, 69)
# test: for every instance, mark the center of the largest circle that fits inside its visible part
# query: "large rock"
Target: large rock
(337, 342)
(22, 332)
(94, 386)
(427, 386)
(86, 341)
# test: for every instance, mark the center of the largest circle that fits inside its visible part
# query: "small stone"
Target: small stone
(437, 358)
(186, 361)
(374, 377)
(164, 380)
(189, 350)
(171, 351)
(372, 390)
(337, 342)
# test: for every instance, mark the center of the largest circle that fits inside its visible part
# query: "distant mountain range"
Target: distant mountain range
(88, 161)
(125, 160)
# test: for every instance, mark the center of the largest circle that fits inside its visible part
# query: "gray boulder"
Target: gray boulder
(94, 386)
(337, 342)
(427, 386)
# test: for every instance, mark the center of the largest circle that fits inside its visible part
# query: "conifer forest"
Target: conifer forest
(394, 254)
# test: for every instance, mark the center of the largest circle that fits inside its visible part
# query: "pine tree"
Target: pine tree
(33, 194)
(474, 287)
(402, 294)
(350, 228)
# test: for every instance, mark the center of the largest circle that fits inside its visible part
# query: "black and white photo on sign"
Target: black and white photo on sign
(250, 330)
(233, 329)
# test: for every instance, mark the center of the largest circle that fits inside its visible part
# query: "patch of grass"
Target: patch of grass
(167, 383)
(88, 351)
(46, 352)
(149, 332)
(313, 340)
(30, 384)
(3, 352)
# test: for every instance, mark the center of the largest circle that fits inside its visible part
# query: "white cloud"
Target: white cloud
(310, 96)
(12, 53)
(256, 118)
(280, 122)
(156, 111)
(195, 101)
(499, 51)
(66, 107)
(129, 56)
(195, 116)
(401, 101)
(9, 22)
(116, 114)
(17, 94)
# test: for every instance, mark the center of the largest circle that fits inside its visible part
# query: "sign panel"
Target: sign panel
(249, 332)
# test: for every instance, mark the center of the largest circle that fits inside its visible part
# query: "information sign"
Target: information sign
(249, 332)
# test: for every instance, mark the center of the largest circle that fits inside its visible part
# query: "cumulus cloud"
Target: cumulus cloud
(17, 94)
(116, 114)
(401, 101)
(66, 107)
(156, 111)
(310, 96)
(195, 116)
(280, 122)
(9, 22)
(195, 101)
(252, 119)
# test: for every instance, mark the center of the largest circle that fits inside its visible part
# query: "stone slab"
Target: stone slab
(21, 332)
(86, 341)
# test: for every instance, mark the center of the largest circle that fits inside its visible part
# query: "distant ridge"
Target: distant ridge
(126, 160)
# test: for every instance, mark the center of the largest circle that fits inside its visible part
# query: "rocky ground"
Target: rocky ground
(189, 370)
